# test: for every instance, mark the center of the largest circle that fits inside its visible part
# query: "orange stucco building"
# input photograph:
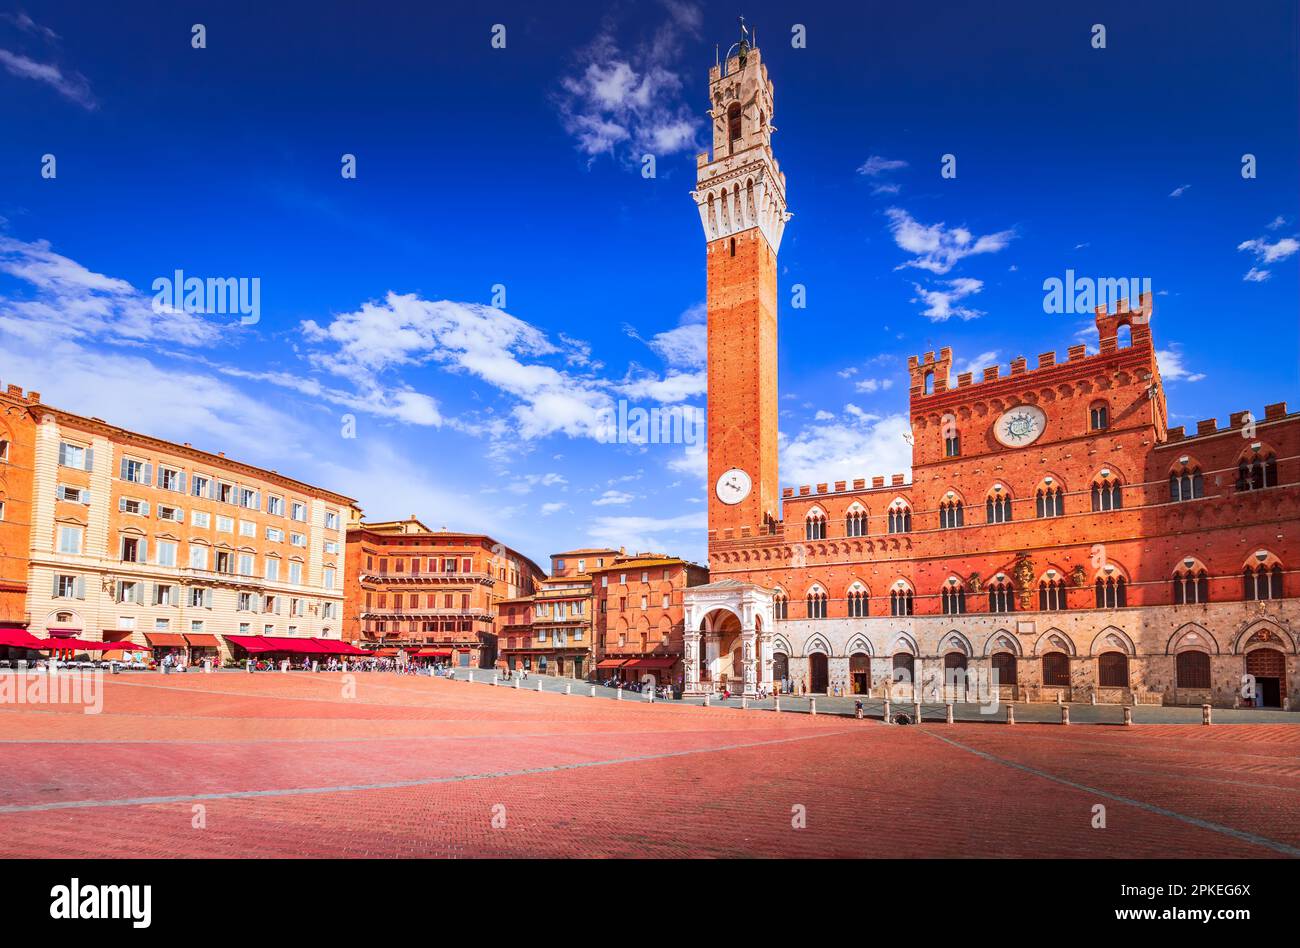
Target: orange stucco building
(430, 593)
(17, 464)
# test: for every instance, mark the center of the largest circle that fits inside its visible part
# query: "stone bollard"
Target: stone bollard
(1205, 714)
(1011, 714)
(857, 712)
(539, 684)
(494, 681)
(568, 688)
(284, 666)
(949, 706)
(744, 703)
(593, 691)
(516, 684)
(812, 706)
(1094, 697)
(619, 695)
(1128, 716)
(1065, 714)
(248, 664)
(471, 675)
(888, 719)
(776, 702)
(315, 665)
(650, 695)
(706, 699)
(916, 712)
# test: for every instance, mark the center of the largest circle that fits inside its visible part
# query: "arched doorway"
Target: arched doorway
(720, 645)
(819, 676)
(904, 668)
(860, 673)
(1004, 666)
(954, 676)
(781, 670)
(1268, 666)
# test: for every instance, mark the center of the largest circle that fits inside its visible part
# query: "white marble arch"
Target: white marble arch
(1054, 640)
(1002, 640)
(706, 623)
(1112, 639)
(954, 641)
(1285, 639)
(904, 642)
(782, 645)
(817, 643)
(859, 643)
(1192, 637)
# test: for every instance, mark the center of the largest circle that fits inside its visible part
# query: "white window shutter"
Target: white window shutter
(181, 482)
(90, 459)
(148, 475)
(55, 591)
(207, 598)
(79, 587)
(121, 470)
(121, 505)
(144, 507)
(63, 454)
(144, 551)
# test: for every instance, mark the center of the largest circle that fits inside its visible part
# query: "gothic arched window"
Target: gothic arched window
(1111, 592)
(1001, 597)
(950, 515)
(1051, 594)
(817, 604)
(997, 507)
(858, 600)
(815, 526)
(900, 518)
(900, 601)
(954, 599)
(1257, 472)
(1106, 493)
(1191, 585)
(733, 121)
(855, 523)
(1186, 483)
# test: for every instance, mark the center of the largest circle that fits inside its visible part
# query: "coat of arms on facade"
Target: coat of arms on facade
(1024, 573)
(1078, 578)
(975, 583)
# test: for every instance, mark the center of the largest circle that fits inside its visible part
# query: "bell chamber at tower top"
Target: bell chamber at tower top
(740, 186)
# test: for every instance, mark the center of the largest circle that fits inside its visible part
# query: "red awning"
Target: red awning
(202, 640)
(165, 640)
(433, 653)
(70, 644)
(653, 661)
(20, 638)
(611, 663)
(293, 645)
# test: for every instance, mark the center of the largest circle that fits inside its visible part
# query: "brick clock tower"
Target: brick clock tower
(740, 193)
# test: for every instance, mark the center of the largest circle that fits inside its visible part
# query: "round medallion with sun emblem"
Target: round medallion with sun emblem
(1020, 426)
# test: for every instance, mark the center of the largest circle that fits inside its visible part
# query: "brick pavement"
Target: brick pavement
(284, 765)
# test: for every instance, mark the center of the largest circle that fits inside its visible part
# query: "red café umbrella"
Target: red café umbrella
(20, 638)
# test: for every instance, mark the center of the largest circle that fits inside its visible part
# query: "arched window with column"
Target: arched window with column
(1111, 588)
(1191, 583)
(780, 605)
(858, 599)
(1262, 576)
(950, 512)
(1049, 499)
(1257, 469)
(953, 595)
(900, 517)
(900, 599)
(815, 525)
(997, 505)
(1002, 595)
(1107, 492)
(1051, 592)
(1186, 482)
(816, 600)
(855, 521)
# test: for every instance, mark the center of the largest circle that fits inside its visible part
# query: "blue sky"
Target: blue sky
(520, 167)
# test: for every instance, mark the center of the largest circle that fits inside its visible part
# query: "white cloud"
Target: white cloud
(940, 304)
(552, 508)
(876, 165)
(613, 498)
(863, 445)
(824, 415)
(631, 101)
(938, 248)
(874, 385)
(1172, 368)
(651, 533)
(72, 86)
(982, 361)
(1256, 275)
(405, 331)
(1179, 191)
(1270, 253)
(69, 299)
(1276, 223)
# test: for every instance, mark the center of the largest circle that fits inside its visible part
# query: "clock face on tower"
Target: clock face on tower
(1020, 426)
(733, 486)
